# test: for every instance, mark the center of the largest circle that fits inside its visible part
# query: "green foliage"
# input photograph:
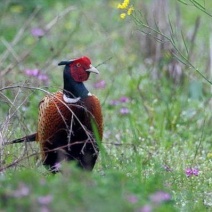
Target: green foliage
(110, 190)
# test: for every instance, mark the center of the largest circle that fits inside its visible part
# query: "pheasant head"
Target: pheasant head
(76, 71)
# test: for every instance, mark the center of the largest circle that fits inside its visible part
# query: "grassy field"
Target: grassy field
(155, 89)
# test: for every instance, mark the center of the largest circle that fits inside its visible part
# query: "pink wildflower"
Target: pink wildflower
(45, 200)
(146, 208)
(100, 85)
(191, 171)
(159, 197)
(124, 99)
(22, 191)
(37, 32)
(124, 111)
(132, 199)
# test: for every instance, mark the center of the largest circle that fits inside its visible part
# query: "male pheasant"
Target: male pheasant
(69, 122)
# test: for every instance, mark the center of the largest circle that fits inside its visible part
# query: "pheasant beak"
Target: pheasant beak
(93, 69)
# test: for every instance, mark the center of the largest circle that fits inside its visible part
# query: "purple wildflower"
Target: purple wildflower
(22, 191)
(124, 99)
(37, 32)
(36, 73)
(191, 171)
(195, 172)
(100, 85)
(188, 172)
(43, 77)
(159, 197)
(114, 102)
(45, 200)
(124, 111)
(146, 208)
(44, 209)
(32, 72)
(132, 199)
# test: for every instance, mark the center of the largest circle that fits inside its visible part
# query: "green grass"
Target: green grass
(165, 131)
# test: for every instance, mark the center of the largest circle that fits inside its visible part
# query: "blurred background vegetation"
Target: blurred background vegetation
(155, 89)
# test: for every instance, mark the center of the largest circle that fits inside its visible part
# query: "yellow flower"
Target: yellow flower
(130, 10)
(122, 15)
(120, 6)
(124, 4)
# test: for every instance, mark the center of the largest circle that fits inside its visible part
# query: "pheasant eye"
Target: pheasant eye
(78, 64)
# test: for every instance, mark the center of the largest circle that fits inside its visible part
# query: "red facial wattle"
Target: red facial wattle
(78, 72)
(79, 68)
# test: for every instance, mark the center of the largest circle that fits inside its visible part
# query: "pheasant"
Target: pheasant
(70, 122)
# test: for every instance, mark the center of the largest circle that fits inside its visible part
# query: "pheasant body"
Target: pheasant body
(65, 130)
(69, 122)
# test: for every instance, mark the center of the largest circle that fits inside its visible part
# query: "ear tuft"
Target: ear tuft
(62, 63)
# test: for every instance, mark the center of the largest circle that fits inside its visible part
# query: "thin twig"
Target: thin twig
(37, 153)
(20, 33)
(181, 57)
(104, 62)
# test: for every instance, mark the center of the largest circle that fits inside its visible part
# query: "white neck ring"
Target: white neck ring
(70, 100)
